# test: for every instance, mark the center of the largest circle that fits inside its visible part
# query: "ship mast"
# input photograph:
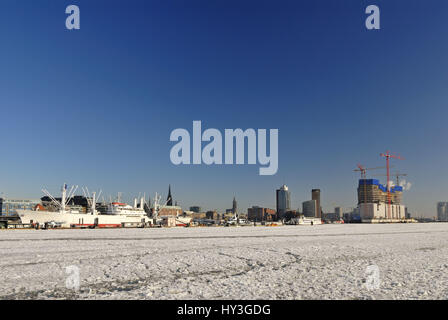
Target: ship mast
(64, 200)
(93, 203)
(91, 200)
(64, 194)
(157, 198)
(155, 214)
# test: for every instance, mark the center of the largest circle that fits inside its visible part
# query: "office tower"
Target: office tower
(407, 214)
(260, 214)
(315, 195)
(283, 201)
(442, 211)
(309, 208)
(338, 212)
(196, 209)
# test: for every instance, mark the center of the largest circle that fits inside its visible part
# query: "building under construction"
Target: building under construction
(375, 205)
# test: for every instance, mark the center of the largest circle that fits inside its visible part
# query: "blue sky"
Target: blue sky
(96, 107)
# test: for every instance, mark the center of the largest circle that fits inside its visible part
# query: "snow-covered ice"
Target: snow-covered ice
(288, 262)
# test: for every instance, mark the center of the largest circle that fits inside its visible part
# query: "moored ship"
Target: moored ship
(116, 215)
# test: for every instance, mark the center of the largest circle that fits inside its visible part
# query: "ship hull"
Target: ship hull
(78, 219)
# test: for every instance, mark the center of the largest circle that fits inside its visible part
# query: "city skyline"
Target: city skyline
(280, 207)
(95, 107)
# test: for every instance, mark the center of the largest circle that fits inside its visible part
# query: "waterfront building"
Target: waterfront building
(196, 209)
(198, 215)
(283, 201)
(315, 195)
(442, 211)
(228, 215)
(407, 213)
(338, 213)
(309, 208)
(8, 207)
(373, 201)
(169, 210)
(212, 215)
(260, 214)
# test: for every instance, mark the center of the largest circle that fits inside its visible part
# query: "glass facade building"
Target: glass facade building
(442, 211)
(309, 208)
(283, 201)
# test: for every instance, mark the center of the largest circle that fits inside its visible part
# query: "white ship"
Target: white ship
(117, 213)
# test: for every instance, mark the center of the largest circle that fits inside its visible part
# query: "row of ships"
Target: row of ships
(57, 211)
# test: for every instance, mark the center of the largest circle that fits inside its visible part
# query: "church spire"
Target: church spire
(234, 206)
(169, 199)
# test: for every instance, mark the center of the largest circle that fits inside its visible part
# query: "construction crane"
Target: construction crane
(363, 172)
(388, 156)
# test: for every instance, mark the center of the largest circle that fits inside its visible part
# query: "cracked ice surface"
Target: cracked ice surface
(289, 262)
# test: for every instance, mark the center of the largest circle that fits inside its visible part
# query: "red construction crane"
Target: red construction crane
(389, 155)
(364, 170)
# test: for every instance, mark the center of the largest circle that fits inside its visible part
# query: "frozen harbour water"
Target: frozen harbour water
(289, 262)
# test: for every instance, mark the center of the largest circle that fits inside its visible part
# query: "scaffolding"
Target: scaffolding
(371, 191)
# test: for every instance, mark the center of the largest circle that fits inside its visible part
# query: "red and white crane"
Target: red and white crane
(388, 156)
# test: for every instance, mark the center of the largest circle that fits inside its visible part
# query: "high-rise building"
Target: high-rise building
(373, 201)
(234, 206)
(196, 209)
(371, 191)
(283, 201)
(212, 215)
(442, 211)
(315, 195)
(407, 214)
(169, 199)
(309, 208)
(338, 212)
(260, 214)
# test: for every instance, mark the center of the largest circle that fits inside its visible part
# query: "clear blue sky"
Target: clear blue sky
(96, 106)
